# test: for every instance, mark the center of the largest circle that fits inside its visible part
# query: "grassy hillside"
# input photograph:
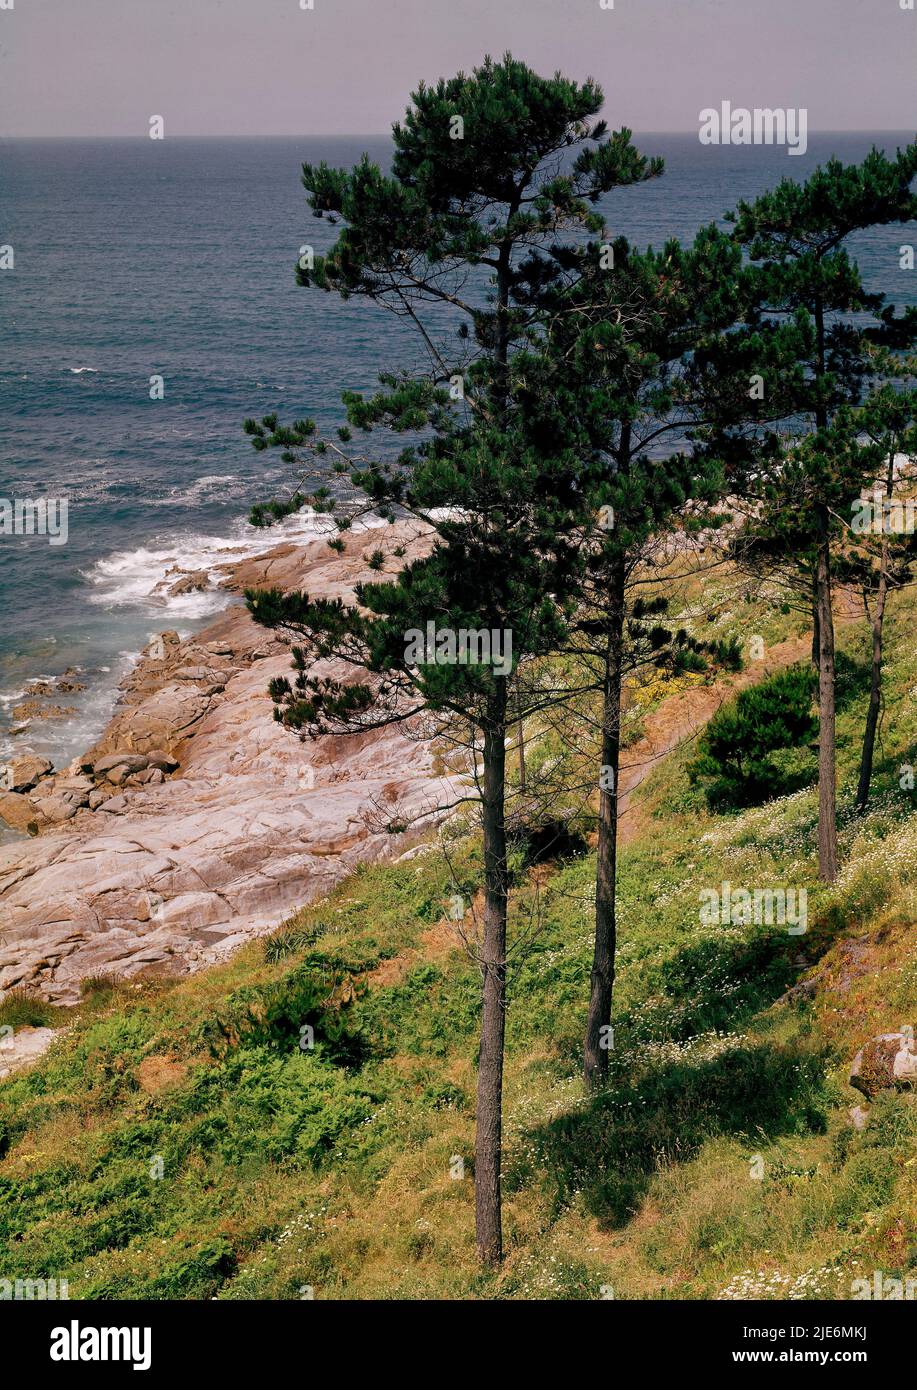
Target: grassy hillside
(337, 1168)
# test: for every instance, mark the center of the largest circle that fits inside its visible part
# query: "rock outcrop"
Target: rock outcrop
(197, 821)
(22, 1047)
(888, 1061)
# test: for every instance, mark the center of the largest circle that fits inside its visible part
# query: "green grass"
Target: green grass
(22, 1008)
(180, 1141)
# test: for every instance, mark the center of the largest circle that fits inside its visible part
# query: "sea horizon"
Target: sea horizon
(689, 133)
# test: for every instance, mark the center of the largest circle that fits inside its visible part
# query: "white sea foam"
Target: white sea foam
(13, 694)
(141, 578)
(212, 487)
(61, 739)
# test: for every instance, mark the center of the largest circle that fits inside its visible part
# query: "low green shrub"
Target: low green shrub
(735, 762)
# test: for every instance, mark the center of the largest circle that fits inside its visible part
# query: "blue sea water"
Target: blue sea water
(175, 257)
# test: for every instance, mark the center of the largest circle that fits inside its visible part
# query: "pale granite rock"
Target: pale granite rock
(172, 875)
(23, 1047)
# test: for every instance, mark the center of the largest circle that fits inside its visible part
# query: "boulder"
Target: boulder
(164, 761)
(34, 709)
(168, 639)
(132, 762)
(160, 719)
(23, 773)
(889, 1060)
(149, 776)
(18, 812)
(57, 808)
(193, 582)
(206, 682)
(77, 796)
(73, 784)
(196, 673)
(119, 775)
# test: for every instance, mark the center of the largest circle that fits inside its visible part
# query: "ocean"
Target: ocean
(136, 258)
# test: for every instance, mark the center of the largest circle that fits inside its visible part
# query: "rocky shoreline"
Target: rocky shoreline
(196, 822)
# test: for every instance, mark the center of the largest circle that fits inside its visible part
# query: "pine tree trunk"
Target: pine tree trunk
(875, 689)
(488, 1136)
(488, 1143)
(816, 639)
(595, 1056)
(824, 635)
(875, 701)
(827, 738)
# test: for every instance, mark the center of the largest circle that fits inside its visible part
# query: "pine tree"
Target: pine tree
(795, 234)
(507, 563)
(493, 175)
(494, 178)
(880, 553)
(656, 371)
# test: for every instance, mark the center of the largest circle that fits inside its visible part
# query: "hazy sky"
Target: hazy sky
(257, 67)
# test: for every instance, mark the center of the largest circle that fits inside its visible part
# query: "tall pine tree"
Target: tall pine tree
(504, 563)
(795, 235)
(656, 368)
(494, 178)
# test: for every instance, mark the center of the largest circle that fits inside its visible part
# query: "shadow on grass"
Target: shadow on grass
(716, 984)
(852, 680)
(609, 1151)
(890, 769)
